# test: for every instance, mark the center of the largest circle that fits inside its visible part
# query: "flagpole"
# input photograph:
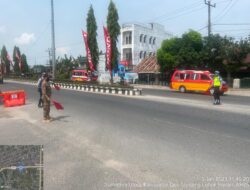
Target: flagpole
(53, 49)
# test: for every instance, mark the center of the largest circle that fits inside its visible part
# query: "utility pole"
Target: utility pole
(208, 3)
(53, 48)
(50, 60)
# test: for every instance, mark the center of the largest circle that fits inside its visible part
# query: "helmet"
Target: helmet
(217, 72)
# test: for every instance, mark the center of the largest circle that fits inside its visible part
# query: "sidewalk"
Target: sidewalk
(231, 91)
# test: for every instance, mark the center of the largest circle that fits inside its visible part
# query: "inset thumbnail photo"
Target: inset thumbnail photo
(21, 167)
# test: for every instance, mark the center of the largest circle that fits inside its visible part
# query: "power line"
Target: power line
(185, 13)
(220, 2)
(71, 44)
(41, 34)
(202, 28)
(178, 11)
(231, 30)
(217, 16)
(38, 38)
(231, 24)
(227, 10)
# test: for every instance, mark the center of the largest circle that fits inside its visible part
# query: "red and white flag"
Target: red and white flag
(85, 38)
(19, 61)
(108, 49)
(9, 59)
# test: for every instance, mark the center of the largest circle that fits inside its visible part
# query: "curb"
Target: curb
(100, 89)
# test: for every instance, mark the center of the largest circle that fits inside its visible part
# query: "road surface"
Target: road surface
(177, 141)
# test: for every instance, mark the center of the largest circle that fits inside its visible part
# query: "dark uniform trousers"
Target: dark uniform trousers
(217, 94)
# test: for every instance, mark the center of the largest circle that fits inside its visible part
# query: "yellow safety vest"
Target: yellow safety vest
(217, 82)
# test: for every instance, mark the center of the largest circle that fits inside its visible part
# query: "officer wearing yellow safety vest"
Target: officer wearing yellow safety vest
(217, 85)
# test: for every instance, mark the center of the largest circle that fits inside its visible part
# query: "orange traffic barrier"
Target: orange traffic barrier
(13, 98)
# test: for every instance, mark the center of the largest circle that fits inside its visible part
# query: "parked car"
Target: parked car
(83, 75)
(191, 80)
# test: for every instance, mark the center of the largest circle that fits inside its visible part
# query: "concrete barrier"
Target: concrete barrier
(113, 90)
(119, 91)
(91, 89)
(107, 90)
(236, 83)
(101, 90)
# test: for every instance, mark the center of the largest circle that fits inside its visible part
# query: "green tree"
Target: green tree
(38, 69)
(82, 62)
(184, 52)
(5, 60)
(234, 55)
(25, 67)
(65, 66)
(92, 35)
(114, 31)
(16, 53)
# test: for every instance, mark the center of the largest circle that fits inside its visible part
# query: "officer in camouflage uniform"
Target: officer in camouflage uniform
(46, 95)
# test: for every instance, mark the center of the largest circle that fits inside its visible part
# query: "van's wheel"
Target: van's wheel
(211, 91)
(182, 89)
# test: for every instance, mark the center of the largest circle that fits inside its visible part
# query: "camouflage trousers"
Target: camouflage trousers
(46, 108)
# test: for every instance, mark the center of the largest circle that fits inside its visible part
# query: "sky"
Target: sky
(27, 23)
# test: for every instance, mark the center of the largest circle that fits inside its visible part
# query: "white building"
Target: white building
(139, 41)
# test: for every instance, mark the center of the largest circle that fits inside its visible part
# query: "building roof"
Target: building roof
(148, 65)
(148, 26)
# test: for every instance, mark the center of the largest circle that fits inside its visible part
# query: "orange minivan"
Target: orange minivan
(191, 80)
(83, 75)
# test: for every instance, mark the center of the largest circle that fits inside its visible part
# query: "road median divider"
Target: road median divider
(127, 91)
(102, 89)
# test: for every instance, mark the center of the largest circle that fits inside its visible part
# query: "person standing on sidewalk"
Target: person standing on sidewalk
(39, 88)
(46, 94)
(216, 85)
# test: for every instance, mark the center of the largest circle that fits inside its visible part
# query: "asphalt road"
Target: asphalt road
(232, 99)
(113, 142)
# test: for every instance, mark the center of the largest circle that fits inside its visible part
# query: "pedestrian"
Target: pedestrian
(46, 95)
(39, 88)
(216, 85)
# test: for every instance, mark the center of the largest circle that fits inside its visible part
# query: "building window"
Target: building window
(141, 37)
(130, 39)
(150, 40)
(145, 54)
(154, 41)
(145, 38)
(141, 53)
(127, 54)
(127, 38)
